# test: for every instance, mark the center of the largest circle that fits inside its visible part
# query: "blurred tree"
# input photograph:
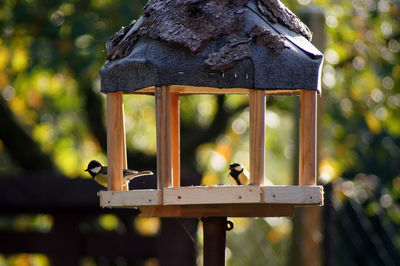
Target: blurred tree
(51, 53)
(360, 151)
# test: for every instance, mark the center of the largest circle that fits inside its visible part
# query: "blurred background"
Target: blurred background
(52, 123)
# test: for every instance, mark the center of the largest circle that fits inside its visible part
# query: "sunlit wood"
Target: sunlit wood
(216, 195)
(115, 140)
(307, 140)
(257, 136)
(163, 120)
(186, 90)
(175, 139)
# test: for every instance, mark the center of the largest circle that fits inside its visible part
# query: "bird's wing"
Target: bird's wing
(101, 179)
(244, 177)
(131, 176)
(246, 172)
(129, 172)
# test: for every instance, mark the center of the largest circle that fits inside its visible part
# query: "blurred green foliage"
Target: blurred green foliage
(50, 54)
(361, 137)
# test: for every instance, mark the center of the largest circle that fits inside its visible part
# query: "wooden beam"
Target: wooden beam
(218, 210)
(257, 136)
(215, 195)
(187, 90)
(307, 139)
(47, 193)
(175, 139)
(115, 140)
(163, 121)
(212, 195)
(142, 197)
(124, 155)
(297, 195)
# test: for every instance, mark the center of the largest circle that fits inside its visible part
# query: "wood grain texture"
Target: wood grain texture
(215, 195)
(257, 136)
(115, 140)
(218, 210)
(211, 195)
(115, 199)
(186, 90)
(307, 139)
(298, 195)
(175, 139)
(163, 121)
(124, 154)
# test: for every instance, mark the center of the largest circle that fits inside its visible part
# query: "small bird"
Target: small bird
(238, 174)
(99, 173)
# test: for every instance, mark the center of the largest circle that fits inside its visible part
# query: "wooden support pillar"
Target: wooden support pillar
(257, 136)
(308, 234)
(115, 140)
(163, 123)
(175, 139)
(307, 145)
(124, 155)
(214, 238)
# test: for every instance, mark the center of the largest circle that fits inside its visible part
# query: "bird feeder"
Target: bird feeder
(186, 47)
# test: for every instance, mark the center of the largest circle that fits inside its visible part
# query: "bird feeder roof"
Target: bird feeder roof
(250, 44)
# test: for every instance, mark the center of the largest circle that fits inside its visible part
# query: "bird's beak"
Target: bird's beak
(86, 170)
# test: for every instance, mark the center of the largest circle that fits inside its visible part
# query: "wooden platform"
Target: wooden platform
(201, 201)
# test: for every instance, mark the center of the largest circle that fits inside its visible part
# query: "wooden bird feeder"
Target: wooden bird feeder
(252, 47)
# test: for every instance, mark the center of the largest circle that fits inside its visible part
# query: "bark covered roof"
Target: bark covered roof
(193, 23)
(210, 37)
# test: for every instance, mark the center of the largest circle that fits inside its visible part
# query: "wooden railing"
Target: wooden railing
(72, 203)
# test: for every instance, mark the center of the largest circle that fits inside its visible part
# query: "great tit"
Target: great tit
(238, 174)
(99, 173)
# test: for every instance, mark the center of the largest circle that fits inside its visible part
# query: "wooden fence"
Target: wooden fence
(72, 203)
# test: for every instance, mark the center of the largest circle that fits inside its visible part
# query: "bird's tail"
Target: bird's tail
(134, 175)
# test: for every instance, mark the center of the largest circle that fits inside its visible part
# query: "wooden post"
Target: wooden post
(307, 148)
(257, 136)
(124, 155)
(163, 122)
(307, 223)
(175, 139)
(214, 238)
(115, 140)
